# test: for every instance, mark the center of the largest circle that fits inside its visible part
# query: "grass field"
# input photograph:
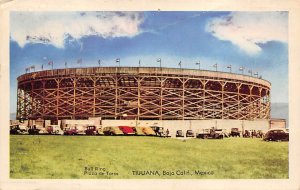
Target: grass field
(74, 157)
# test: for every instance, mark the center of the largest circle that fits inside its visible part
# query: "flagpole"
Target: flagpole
(118, 61)
(198, 63)
(242, 69)
(159, 60)
(216, 66)
(229, 67)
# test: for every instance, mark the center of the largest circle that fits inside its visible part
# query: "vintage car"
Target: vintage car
(112, 131)
(99, 130)
(276, 135)
(90, 130)
(70, 130)
(81, 129)
(33, 130)
(211, 133)
(189, 133)
(148, 131)
(138, 131)
(234, 132)
(179, 133)
(54, 130)
(159, 131)
(18, 129)
(127, 130)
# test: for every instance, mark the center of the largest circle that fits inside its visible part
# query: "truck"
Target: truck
(211, 133)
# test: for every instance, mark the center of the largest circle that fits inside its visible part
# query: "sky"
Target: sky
(257, 41)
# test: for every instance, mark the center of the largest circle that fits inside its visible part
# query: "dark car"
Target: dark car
(159, 131)
(33, 130)
(16, 130)
(179, 133)
(276, 135)
(91, 130)
(70, 131)
(247, 134)
(234, 132)
(189, 133)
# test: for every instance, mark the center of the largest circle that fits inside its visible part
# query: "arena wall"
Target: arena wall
(142, 94)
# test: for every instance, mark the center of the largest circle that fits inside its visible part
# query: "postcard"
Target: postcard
(149, 97)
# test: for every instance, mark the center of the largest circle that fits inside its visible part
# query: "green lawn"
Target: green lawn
(53, 157)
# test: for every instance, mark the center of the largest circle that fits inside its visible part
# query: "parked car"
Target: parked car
(17, 129)
(43, 131)
(99, 130)
(127, 130)
(234, 132)
(138, 131)
(210, 134)
(33, 130)
(189, 133)
(112, 131)
(148, 131)
(247, 134)
(276, 135)
(80, 129)
(90, 130)
(179, 133)
(70, 131)
(159, 131)
(54, 130)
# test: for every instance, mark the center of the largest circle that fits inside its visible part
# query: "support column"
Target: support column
(259, 105)
(183, 97)
(223, 85)
(43, 98)
(57, 96)
(203, 102)
(161, 98)
(116, 96)
(139, 98)
(94, 97)
(239, 101)
(74, 98)
(31, 100)
(251, 103)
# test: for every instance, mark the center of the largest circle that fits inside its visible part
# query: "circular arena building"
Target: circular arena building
(142, 93)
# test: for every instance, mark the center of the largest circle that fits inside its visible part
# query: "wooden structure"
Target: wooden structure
(141, 93)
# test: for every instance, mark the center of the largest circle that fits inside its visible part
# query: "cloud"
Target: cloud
(249, 29)
(54, 27)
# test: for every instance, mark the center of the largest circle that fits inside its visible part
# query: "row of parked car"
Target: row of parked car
(212, 133)
(89, 130)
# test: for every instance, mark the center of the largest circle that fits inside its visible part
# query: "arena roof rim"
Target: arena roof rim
(144, 70)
